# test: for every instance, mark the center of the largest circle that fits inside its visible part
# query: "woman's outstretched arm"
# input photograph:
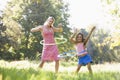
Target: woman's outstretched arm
(58, 28)
(36, 29)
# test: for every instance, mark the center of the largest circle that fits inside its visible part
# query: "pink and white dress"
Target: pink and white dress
(50, 50)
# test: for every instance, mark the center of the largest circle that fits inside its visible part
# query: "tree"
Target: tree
(113, 9)
(5, 42)
(21, 15)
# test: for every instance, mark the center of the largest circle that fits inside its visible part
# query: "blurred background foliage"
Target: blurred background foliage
(19, 16)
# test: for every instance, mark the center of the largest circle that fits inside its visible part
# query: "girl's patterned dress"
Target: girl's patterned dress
(49, 52)
(84, 59)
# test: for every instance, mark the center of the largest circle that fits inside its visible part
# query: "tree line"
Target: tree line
(18, 43)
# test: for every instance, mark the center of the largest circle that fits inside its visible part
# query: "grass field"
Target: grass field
(28, 70)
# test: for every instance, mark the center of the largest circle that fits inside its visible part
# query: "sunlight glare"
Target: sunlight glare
(88, 12)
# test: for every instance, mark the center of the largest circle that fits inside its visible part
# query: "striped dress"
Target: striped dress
(49, 52)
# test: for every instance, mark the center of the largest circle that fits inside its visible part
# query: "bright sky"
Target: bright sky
(83, 12)
(88, 12)
(2, 4)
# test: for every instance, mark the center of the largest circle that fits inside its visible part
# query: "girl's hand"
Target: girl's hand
(81, 55)
(75, 30)
(77, 55)
(93, 28)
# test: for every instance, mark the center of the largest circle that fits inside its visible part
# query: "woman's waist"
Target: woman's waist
(49, 43)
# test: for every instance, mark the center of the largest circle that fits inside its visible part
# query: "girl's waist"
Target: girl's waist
(82, 51)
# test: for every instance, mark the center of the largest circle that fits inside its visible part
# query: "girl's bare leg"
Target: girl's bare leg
(78, 68)
(89, 68)
(56, 66)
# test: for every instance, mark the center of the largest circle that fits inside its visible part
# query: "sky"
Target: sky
(2, 4)
(84, 13)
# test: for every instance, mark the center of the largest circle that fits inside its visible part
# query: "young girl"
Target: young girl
(80, 44)
(50, 49)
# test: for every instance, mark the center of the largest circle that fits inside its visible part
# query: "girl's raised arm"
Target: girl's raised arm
(87, 38)
(72, 38)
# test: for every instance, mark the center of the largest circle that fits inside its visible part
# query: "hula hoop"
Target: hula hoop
(70, 54)
(63, 40)
(66, 55)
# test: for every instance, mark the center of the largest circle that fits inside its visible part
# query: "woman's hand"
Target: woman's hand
(60, 27)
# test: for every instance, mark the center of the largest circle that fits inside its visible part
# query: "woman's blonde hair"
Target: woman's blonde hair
(50, 17)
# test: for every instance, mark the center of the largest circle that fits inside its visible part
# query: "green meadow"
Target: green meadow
(21, 49)
(28, 70)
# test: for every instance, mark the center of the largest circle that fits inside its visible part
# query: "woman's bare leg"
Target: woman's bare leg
(41, 64)
(56, 66)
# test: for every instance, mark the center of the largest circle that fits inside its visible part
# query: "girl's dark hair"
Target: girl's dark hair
(81, 35)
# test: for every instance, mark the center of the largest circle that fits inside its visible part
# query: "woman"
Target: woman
(50, 50)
